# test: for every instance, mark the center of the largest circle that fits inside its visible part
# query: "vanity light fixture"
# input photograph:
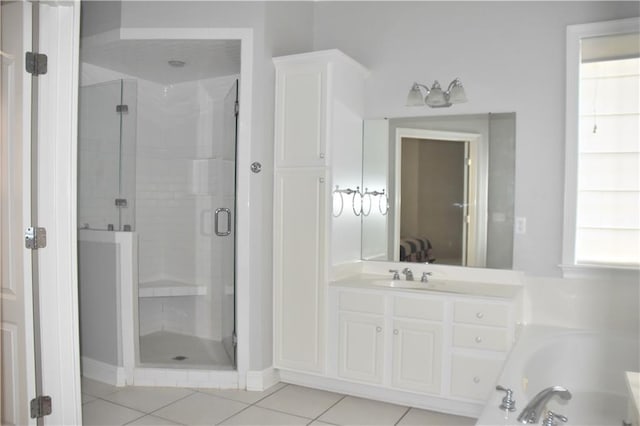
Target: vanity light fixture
(436, 97)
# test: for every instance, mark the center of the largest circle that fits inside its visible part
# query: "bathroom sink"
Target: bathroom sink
(414, 285)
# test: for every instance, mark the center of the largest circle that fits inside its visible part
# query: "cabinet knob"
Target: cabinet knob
(322, 155)
(395, 331)
(476, 379)
(321, 180)
(478, 339)
(479, 315)
(379, 329)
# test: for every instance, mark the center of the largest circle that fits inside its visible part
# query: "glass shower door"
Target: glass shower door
(225, 231)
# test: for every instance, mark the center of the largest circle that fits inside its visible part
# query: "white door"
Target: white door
(18, 371)
(361, 347)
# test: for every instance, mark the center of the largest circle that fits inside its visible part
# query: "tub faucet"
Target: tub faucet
(408, 274)
(533, 410)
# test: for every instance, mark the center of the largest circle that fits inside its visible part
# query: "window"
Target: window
(602, 185)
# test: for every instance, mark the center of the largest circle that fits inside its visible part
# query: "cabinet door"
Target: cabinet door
(361, 347)
(300, 126)
(299, 269)
(417, 354)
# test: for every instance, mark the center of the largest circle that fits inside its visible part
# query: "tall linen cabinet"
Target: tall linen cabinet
(318, 145)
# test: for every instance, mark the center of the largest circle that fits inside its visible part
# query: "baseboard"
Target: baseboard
(102, 372)
(172, 377)
(381, 393)
(262, 380)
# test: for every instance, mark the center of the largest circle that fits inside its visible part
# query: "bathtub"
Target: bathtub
(590, 364)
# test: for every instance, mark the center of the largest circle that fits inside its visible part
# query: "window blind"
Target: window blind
(608, 203)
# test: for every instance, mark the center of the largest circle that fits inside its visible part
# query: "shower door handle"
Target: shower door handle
(217, 222)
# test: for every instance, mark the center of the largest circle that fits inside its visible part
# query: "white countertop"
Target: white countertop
(434, 286)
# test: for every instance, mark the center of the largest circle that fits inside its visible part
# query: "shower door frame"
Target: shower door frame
(242, 263)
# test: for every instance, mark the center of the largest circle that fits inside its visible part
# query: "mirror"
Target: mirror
(440, 189)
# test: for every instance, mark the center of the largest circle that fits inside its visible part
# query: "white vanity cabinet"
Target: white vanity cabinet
(314, 93)
(442, 346)
(482, 334)
(373, 345)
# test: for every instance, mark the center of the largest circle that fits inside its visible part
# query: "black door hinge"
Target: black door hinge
(41, 406)
(35, 63)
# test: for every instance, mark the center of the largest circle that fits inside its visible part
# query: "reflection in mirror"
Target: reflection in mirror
(449, 186)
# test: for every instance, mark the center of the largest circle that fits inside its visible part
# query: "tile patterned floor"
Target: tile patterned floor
(281, 404)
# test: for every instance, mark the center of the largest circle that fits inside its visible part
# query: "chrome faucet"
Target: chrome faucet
(425, 277)
(533, 410)
(407, 274)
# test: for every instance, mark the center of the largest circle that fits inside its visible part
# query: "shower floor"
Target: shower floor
(164, 348)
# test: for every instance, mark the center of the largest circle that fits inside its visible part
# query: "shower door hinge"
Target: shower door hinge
(122, 108)
(41, 406)
(35, 63)
(236, 108)
(35, 238)
(234, 339)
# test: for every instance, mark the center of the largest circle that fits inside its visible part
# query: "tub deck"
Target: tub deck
(591, 364)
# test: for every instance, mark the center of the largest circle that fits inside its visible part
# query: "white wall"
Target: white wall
(510, 56)
(101, 16)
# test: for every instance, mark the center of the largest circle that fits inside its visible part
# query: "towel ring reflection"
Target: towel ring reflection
(353, 201)
(367, 194)
(385, 197)
(347, 191)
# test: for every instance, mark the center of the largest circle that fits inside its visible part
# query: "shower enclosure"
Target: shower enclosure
(157, 162)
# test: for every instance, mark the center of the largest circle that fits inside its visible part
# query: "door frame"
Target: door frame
(476, 247)
(57, 172)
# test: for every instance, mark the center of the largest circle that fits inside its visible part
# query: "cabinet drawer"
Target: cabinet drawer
(361, 302)
(481, 313)
(473, 378)
(413, 308)
(494, 339)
